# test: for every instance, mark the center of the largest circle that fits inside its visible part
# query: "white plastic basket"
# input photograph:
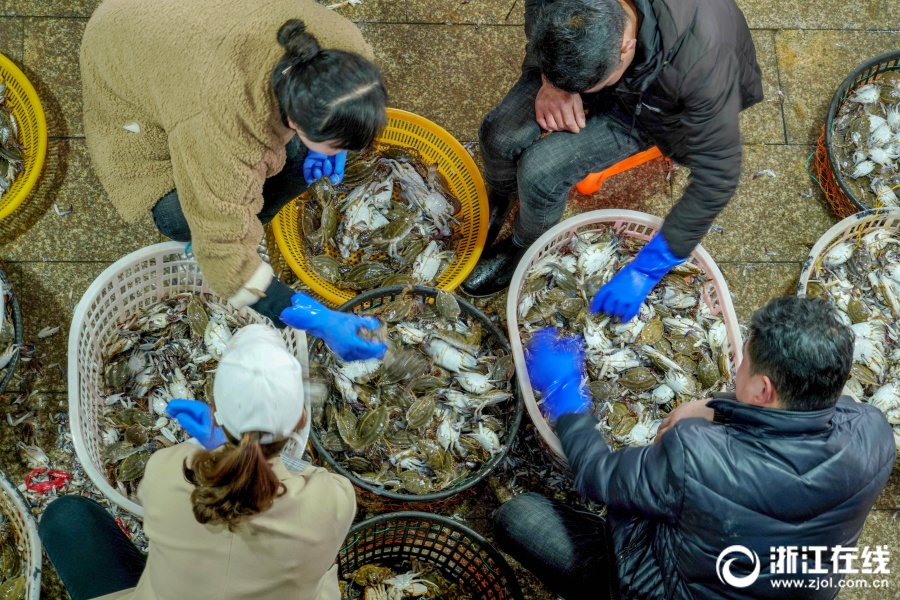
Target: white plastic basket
(137, 281)
(25, 534)
(629, 223)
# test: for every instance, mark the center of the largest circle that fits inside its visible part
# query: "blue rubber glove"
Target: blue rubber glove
(339, 163)
(623, 294)
(340, 331)
(316, 165)
(196, 418)
(555, 369)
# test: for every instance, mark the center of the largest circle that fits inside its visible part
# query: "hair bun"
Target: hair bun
(297, 43)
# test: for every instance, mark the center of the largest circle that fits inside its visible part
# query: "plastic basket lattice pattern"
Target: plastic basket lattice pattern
(25, 534)
(627, 223)
(461, 555)
(27, 109)
(135, 282)
(11, 306)
(837, 189)
(493, 338)
(435, 145)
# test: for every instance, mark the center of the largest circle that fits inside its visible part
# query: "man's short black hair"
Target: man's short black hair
(578, 43)
(804, 349)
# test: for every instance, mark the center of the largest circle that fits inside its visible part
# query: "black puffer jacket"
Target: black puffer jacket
(694, 70)
(762, 479)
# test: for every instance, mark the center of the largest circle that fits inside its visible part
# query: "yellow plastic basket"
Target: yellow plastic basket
(436, 145)
(27, 109)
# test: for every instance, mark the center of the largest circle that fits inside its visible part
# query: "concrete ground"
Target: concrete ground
(450, 61)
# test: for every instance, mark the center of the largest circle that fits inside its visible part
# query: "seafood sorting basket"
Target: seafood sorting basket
(137, 281)
(837, 191)
(461, 555)
(436, 145)
(627, 223)
(375, 496)
(12, 308)
(27, 109)
(25, 533)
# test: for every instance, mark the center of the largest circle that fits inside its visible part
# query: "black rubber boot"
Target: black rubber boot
(494, 270)
(498, 211)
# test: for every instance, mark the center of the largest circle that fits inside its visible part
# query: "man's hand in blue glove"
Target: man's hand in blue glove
(317, 165)
(555, 369)
(340, 331)
(196, 418)
(623, 294)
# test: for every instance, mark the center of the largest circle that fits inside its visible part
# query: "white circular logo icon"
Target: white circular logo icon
(723, 570)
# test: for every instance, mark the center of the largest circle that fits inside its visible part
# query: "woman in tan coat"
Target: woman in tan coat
(207, 113)
(228, 524)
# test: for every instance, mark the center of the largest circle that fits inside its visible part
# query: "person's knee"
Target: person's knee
(502, 136)
(64, 514)
(518, 516)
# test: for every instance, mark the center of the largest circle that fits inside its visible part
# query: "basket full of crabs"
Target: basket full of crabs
(404, 555)
(862, 135)
(147, 330)
(684, 343)
(410, 209)
(10, 332)
(856, 265)
(20, 546)
(433, 417)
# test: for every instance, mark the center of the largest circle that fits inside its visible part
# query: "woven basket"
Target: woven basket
(435, 145)
(137, 281)
(630, 224)
(9, 303)
(15, 508)
(27, 109)
(461, 555)
(492, 336)
(842, 198)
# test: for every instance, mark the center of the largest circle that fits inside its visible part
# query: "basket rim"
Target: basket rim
(34, 541)
(284, 218)
(489, 466)
(17, 326)
(597, 217)
(828, 238)
(391, 517)
(41, 150)
(835, 105)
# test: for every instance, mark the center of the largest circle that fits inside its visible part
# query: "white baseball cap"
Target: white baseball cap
(258, 385)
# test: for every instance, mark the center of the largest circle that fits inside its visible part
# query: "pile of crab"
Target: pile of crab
(392, 220)
(169, 350)
(866, 140)
(427, 416)
(8, 346)
(675, 350)
(13, 562)
(423, 580)
(861, 276)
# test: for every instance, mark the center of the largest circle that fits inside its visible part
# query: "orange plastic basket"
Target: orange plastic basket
(592, 183)
(435, 144)
(29, 114)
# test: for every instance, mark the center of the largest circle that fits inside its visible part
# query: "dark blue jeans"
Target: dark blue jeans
(544, 169)
(89, 550)
(566, 549)
(278, 190)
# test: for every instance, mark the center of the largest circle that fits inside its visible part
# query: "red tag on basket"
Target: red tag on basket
(55, 480)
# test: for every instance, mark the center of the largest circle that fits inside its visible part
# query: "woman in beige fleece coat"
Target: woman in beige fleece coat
(203, 113)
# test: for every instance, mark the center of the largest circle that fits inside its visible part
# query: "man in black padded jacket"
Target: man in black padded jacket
(784, 461)
(670, 73)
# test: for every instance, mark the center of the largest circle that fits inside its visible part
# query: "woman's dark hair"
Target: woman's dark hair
(234, 481)
(578, 43)
(331, 95)
(803, 348)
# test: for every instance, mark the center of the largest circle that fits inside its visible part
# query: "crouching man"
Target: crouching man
(784, 461)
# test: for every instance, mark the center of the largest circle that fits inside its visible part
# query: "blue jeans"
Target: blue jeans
(89, 550)
(544, 169)
(566, 549)
(278, 190)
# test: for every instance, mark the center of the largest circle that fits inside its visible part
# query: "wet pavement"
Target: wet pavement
(449, 61)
